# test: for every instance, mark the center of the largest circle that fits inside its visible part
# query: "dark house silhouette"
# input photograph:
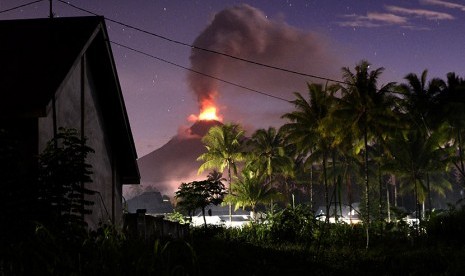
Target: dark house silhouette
(151, 202)
(60, 72)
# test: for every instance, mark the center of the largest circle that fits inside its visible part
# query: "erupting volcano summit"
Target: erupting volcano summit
(176, 161)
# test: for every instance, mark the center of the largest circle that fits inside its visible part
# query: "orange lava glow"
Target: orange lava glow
(208, 112)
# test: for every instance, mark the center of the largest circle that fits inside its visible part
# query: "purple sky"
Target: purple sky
(314, 37)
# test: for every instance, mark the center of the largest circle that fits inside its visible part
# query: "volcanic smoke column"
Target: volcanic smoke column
(246, 32)
(238, 31)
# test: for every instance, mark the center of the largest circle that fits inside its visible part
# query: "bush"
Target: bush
(448, 226)
(292, 224)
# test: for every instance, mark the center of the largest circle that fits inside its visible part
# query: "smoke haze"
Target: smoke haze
(246, 32)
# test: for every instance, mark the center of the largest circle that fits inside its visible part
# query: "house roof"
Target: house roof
(36, 56)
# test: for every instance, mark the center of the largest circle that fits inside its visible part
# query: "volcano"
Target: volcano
(176, 162)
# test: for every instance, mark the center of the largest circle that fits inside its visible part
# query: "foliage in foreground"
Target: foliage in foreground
(258, 249)
(437, 247)
(106, 251)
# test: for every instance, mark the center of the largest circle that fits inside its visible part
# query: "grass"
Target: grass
(242, 258)
(393, 252)
(314, 248)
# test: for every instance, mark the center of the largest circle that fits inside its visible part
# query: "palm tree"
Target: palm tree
(427, 105)
(452, 105)
(268, 154)
(304, 127)
(419, 100)
(224, 145)
(366, 111)
(417, 160)
(215, 177)
(252, 189)
(419, 105)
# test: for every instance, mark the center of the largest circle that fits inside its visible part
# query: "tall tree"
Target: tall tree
(367, 112)
(419, 100)
(268, 154)
(431, 108)
(304, 127)
(252, 189)
(418, 159)
(224, 145)
(452, 107)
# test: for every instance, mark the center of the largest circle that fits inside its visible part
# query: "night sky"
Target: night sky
(314, 37)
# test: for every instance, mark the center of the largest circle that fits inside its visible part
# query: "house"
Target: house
(152, 202)
(345, 213)
(60, 72)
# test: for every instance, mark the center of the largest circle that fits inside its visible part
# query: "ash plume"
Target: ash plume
(246, 32)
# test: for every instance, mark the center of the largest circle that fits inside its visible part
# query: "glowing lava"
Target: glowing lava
(208, 112)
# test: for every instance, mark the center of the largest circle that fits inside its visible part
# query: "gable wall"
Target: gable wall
(86, 118)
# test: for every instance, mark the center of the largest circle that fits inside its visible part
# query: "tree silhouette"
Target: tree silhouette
(268, 155)
(452, 106)
(367, 113)
(304, 128)
(199, 194)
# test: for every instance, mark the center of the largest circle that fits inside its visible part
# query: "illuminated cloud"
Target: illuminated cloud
(373, 19)
(446, 4)
(398, 16)
(386, 18)
(427, 14)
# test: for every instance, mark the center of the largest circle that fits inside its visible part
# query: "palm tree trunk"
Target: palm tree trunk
(380, 203)
(417, 217)
(367, 196)
(229, 191)
(462, 166)
(423, 210)
(430, 201)
(271, 201)
(339, 193)
(333, 166)
(367, 185)
(204, 220)
(388, 202)
(254, 213)
(349, 194)
(325, 179)
(311, 187)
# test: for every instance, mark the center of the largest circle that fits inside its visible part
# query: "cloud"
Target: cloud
(397, 16)
(386, 17)
(445, 4)
(427, 14)
(373, 19)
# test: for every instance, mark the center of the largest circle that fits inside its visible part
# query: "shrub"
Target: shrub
(292, 224)
(448, 226)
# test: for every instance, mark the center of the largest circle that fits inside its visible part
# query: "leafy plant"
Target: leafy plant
(178, 217)
(292, 224)
(63, 172)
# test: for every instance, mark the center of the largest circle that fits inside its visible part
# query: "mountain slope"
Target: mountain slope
(176, 161)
